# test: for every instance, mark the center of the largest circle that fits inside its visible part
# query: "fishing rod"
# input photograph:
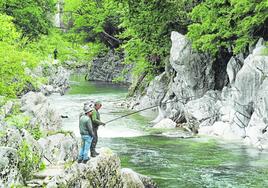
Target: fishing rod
(147, 109)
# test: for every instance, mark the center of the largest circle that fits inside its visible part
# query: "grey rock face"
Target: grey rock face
(232, 69)
(59, 148)
(194, 73)
(192, 77)
(108, 68)
(154, 93)
(58, 78)
(243, 111)
(36, 105)
(203, 109)
(12, 143)
(102, 171)
(9, 172)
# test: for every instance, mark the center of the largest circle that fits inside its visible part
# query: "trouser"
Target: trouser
(85, 145)
(95, 140)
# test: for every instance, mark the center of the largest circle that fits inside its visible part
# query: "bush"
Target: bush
(29, 161)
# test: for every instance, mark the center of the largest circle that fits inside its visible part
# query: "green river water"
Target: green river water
(171, 162)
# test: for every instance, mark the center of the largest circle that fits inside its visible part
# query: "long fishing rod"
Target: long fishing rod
(146, 109)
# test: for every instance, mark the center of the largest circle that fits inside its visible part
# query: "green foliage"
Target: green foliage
(232, 24)
(31, 17)
(13, 61)
(8, 32)
(29, 161)
(20, 121)
(42, 166)
(67, 49)
(147, 27)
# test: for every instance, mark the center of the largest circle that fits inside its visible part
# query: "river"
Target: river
(171, 162)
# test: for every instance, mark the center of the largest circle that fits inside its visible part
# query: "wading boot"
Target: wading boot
(94, 153)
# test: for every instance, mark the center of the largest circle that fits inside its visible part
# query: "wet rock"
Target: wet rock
(165, 124)
(102, 171)
(135, 180)
(224, 130)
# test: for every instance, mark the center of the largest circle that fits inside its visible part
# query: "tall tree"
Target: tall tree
(32, 17)
(228, 24)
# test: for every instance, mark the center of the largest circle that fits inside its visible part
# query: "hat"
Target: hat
(97, 102)
(88, 109)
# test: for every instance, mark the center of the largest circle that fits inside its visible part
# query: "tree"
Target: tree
(32, 17)
(229, 24)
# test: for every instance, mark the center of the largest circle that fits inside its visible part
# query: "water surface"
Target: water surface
(171, 162)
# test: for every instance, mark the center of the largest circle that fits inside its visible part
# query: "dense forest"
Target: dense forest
(138, 29)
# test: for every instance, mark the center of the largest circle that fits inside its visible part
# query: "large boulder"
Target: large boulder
(20, 155)
(165, 124)
(42, 113)
(102, 171)
(9, 172)
(133, 179)
(194, 72)
(243, 108)
(59, 148)
(203, 109)
(155, 92)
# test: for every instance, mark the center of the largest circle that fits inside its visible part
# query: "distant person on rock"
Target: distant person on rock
(96, 123)
(55, 52)
(86, 132)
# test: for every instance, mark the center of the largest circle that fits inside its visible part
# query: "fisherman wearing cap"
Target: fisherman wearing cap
(96, 123)
(86, 131)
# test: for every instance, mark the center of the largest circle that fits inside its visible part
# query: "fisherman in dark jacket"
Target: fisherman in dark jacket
(96, 122)
(86, 131)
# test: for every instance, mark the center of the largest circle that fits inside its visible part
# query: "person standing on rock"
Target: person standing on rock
(86, 132)
(96, 123)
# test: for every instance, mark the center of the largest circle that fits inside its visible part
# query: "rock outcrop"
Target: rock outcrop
(109, 68)
(187, 95)
(59, 148)
(57, 78)
(36, 106)
(102, 171)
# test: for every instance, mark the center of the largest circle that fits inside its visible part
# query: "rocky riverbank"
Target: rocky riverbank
(36, 152)
(188, 93)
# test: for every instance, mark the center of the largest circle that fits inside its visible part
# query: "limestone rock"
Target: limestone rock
(165, 124)
(194, 73)
(44, 115)
(155, 92)
(102, 171)
(109, 67)
(59, 148)
(9, 172)
(203, 108)
(224, 130)
(232, 69)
